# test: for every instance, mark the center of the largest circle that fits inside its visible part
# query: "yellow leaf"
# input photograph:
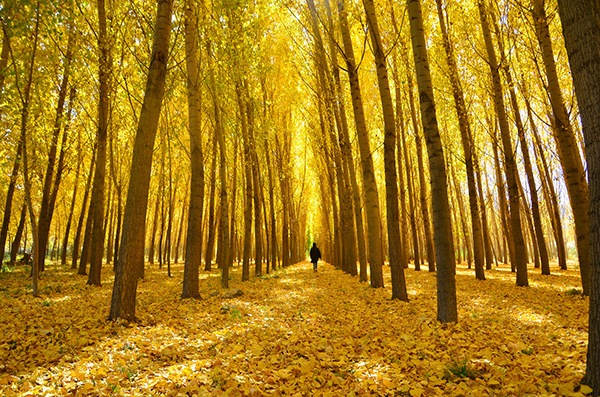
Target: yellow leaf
(585, 389)
(416, 392)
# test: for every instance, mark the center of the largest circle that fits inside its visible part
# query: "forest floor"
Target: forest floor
(293, 332)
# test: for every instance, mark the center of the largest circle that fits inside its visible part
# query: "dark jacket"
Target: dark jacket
(315, 253)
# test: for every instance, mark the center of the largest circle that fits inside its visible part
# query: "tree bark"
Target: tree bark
(14, 249)
(210, 240)
(389, 144)
(548, 189)
(581, 27)
(444, 250)
(368, 173)
(568, 149)
(510, 165)
(132, 242)
(97, 242)
(467, 144)
(193, 246)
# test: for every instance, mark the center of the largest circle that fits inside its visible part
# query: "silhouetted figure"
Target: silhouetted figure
(315, 255)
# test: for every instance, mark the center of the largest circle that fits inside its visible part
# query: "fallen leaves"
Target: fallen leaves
(324, 334)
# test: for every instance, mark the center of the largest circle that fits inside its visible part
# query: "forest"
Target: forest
(166, 167)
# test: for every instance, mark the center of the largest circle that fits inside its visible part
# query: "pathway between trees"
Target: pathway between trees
(292, 332)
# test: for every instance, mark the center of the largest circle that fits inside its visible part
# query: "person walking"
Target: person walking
(315, 255)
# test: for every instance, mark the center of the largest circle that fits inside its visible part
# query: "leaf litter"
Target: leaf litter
(293, 332)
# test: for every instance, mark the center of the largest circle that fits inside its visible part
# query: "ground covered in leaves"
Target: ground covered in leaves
(293, 332)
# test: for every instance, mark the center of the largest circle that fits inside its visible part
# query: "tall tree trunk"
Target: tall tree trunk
(355, 238)
(411, 203)
(444, 250)
(535, 208)
(467, 144)
(132, 243)
(422, 187)
(210, 240)
(151, 249)
(272, 209)
(65, 243)
(193, 246)
(368, 173)
(256, 183)
(224, 224)
(389, 143)
(548, 189)
(232, 217)
(581, 27)
(489, 254)
(506, 228)
(248, 191)
(14, 249)
(77, 239)
(568, 149)
(25, 98)
(4, 54)
(97, 243)
(283, 167)
(182, 223)
(510, 165)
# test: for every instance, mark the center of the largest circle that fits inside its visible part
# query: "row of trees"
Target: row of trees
(265, 149)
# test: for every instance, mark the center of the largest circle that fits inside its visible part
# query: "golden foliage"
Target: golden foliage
(293, 332)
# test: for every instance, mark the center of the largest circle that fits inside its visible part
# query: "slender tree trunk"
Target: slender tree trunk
(355, 239)
(489, 255)
(97, 242)
(14, 249)
(272, 210)
(182, 224)
(52, 180)
(581, 27)
(568, 149)
(411, 203)
(256, 183)
(77, 239)
(467, 144)
(422, 187)
(151, 249)
(224, 229)
(132, 243)
(535, 208)
(444, 250)
(193, 246)
(71, 212)
(210, 241)
(248, 190)
(25, 98)
(548, 189)
(232, 217)
(391, 181)
(368, 173)
(510, 165)
(4, 54)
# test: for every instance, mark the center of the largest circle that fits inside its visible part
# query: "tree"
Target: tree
(368, 172)
(581, 27)
(568, 150)
(193, 252)
(510, 165)
(391, 180)
(442, 228)
(467, 144)
(97, 199)
(131, 253)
